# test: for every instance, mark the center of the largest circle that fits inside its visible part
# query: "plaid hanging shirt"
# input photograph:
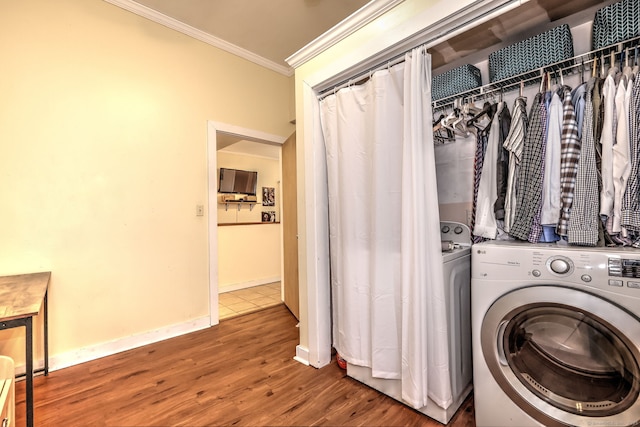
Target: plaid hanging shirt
(569, 156)
(529, 184)
(583, 223)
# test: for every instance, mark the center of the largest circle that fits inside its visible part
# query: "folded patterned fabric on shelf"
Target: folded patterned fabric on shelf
(453, 82)
(616, 23)
(548, 48)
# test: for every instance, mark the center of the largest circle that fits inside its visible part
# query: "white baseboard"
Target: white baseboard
(75, 357)
(302, 355)
(244, 285)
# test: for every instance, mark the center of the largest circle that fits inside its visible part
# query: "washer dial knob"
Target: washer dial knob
(445, 229)
(560, 265)
(457, 230)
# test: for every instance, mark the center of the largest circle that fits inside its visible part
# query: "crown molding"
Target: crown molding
(190, 31)
(342, 30)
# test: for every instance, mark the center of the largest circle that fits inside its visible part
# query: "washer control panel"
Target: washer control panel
(455, 232)
(620, 267)
(596, 267)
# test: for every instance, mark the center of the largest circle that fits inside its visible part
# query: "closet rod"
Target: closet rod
(511, 83)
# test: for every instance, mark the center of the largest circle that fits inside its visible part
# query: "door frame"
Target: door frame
(213, 128)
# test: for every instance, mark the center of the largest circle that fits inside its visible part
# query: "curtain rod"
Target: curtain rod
(366, 75)
(363, 76)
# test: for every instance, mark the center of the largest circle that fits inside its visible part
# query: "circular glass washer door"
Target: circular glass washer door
(565, 356)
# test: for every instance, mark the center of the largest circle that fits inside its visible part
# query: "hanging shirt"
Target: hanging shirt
(598, 111)
(502, 162)
(631, 201)
(578, 99)
(529, 182)
(536, 231)
(569, 156)
(486, 225)
(481, 147)
(514, 144)
(583, 223)
(606, 142)
(550, 212)
(621, 167)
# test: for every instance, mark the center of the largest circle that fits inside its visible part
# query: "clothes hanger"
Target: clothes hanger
(561, 76)
(613, 63)
(554, 86)
(521, 93)
(441, 134)
(627, 72)
(459, 125)
(455, 122)
(486, 110)
(437, 124)
(450, 119)
(470, 109)
(441, 131)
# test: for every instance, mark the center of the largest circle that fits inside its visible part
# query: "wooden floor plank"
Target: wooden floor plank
(238, 373)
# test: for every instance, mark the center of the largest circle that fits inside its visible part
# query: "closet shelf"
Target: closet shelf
(607, 54)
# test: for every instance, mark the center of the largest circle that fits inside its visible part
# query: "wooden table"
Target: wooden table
(22, 297)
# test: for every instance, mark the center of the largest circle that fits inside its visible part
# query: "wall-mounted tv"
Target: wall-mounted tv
(237, 181)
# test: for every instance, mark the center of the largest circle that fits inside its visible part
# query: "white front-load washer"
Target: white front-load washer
(556, 335)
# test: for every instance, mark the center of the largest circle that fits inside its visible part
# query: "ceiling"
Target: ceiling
(270, 29)
(237, 145)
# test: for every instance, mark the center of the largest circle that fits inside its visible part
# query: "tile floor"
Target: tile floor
(247, 300)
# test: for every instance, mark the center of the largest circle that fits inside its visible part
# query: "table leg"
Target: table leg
(29, 372)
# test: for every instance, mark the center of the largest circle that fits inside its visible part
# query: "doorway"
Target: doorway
(219, 136)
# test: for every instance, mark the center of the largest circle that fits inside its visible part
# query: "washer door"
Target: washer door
(566, 357)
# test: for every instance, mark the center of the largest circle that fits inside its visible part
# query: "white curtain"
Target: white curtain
(386, 263)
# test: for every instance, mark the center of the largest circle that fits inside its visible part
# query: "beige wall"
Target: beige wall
(249, 255)
(103, 127)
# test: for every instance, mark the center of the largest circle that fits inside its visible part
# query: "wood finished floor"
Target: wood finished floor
(239, 373)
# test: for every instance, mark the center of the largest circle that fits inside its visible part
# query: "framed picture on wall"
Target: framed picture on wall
(269, 216)
(268, 196)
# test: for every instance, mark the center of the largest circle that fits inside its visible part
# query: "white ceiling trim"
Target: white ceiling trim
(342, 30)
(362, 59)
(188, 30)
